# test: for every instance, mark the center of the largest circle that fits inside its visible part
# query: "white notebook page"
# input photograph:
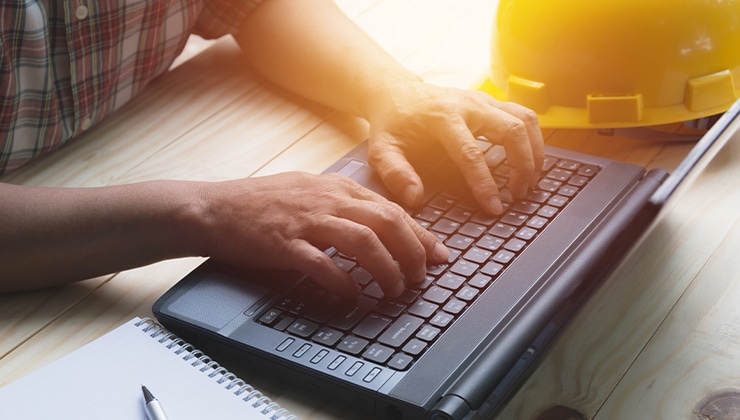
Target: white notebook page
(103, 379)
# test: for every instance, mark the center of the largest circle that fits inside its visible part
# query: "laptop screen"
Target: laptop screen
(724, 130)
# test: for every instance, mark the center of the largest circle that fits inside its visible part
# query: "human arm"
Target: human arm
(313, 49)
(56, 235)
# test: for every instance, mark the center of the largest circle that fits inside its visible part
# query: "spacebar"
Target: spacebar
(400, 330)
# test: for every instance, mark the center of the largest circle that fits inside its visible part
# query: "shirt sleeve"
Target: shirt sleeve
(222, 17)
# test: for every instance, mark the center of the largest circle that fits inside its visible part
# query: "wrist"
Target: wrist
(388, 95)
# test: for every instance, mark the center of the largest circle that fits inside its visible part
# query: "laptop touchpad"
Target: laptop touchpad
(215, 300)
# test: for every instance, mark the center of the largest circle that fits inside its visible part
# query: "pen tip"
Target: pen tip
(147, 395)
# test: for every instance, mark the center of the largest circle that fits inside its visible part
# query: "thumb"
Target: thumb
(390, 162)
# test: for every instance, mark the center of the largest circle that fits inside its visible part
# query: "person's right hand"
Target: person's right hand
(286, 221)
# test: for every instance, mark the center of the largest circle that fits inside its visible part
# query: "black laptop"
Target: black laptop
(461, 342)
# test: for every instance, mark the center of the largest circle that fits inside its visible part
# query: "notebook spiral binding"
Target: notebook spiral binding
(222, 375)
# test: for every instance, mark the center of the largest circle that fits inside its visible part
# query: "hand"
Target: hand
(414, 113)
(286, 221)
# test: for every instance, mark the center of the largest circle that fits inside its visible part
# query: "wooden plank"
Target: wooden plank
(694, 352)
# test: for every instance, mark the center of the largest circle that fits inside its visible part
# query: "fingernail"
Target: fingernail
(397, 289)
(496, 206)
(410, 193)
(440, 253)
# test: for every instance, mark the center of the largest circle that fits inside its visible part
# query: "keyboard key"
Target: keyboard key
(514, 218)
(283, 323)
(361, 276)
(568, 165)
(491, 268)
(454, 306)
(414, 347)
(441, 319)
(547, 211)
(467, 293)
(378, 353)
(327, 336)
(446, 226)
(480, 280)
(502, 231)
(428, 333)
(303, 328)
(459, 242)
(270, 316)
(429, 214)
(538, 196)
(423, 308)
(344, 263)
(349, 317)
(515, 245)
(550, 185)
(489, 242)
(483, 218)
(437, 294)
(442, 203)
(483, 144)
(557, 201)
(537, 222)
(473, 230)
(526, 233)
(409, 295)
(495, 155)
(436, 270)
(503, 257)
(400, 361)
(453, 254)
(353, 345)
(464, 268)
(477, 255)
(526, 207)
(400, 331)
(451, 281)
(549, 163)
(371, 326)
(390, 308)
(459, 214)
(568, 190)
(578, 180)
(588, 170)
(559, 174)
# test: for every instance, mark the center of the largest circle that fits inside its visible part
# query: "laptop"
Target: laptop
(458, 345)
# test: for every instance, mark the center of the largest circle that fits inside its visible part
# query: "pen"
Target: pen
(152, 407)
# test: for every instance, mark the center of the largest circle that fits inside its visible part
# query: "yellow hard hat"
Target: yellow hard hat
(616, 63)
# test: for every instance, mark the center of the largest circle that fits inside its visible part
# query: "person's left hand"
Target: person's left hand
(414, 113)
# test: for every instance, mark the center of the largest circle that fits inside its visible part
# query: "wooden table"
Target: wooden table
(660, 339)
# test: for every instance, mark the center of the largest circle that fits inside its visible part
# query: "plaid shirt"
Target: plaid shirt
(66, 64)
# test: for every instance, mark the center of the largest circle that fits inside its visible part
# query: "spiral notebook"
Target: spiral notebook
(103, 379)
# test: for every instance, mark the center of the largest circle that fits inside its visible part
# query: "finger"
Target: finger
(511, 132)
(460, 144)
(408, 243)
(534, 134)
(435, 251)
(315, 263)
(398, 175)
(360, 241)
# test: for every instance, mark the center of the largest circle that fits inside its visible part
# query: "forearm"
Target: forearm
(311, 48)
(51, 236)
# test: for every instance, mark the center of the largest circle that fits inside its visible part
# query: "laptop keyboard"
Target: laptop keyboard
(394, 332)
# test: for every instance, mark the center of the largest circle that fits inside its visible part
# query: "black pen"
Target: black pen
(152, 407)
